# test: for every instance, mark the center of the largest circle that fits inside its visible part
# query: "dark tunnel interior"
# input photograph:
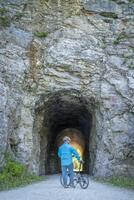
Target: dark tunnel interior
(66, 116)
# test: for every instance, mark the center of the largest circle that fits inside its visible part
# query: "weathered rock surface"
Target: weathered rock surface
(88, 48)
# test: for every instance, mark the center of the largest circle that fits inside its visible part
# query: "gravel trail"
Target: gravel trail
(50, 189)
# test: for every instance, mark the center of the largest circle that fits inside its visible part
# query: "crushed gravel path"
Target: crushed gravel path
(50, 189)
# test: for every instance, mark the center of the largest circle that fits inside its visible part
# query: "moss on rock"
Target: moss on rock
(41, 34)
(109, 15)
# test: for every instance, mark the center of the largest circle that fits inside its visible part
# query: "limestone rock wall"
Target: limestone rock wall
(88, 47)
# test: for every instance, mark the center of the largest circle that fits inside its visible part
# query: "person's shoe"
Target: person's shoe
(66, 186)
(72, 185)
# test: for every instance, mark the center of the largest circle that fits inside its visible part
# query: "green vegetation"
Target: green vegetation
(15, 174)
(131, 1)
(120, 37)
(18, 15)
(2, 11)
(109, 14)
(4, 21)
(119, 181)
(41, 34)
(131, 66)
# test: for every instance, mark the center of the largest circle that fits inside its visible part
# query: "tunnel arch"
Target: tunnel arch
(56, 114)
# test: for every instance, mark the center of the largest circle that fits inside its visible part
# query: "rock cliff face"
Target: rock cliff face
(73, 49)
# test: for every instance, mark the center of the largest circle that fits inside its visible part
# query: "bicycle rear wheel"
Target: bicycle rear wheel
(62, 182)
(84, 181)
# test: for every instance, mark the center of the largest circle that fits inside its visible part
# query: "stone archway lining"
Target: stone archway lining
(49, 122)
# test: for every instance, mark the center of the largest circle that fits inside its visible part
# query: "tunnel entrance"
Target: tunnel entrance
(64, 113)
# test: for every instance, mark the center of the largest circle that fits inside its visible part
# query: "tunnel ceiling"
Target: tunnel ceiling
(67, 112)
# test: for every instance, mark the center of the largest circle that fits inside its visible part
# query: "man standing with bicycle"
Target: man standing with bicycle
(66, 152)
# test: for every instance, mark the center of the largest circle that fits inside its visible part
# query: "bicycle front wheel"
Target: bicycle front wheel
(75, 182)
(84, 181)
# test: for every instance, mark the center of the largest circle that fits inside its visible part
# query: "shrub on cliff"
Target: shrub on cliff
(15, 174)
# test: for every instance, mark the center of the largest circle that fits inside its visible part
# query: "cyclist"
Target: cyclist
(66, 152)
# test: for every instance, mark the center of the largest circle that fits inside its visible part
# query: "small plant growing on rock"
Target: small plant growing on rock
(120, 37)
(131, 1)
(41, 34)
(109, 15)
(131, 66)
(18, 15)
(4, 19)
(3, 11)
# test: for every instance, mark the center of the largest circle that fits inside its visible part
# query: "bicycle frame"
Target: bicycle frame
(82, 179)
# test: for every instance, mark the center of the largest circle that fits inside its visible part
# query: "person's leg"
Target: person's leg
(71, 171)
(64, 175)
